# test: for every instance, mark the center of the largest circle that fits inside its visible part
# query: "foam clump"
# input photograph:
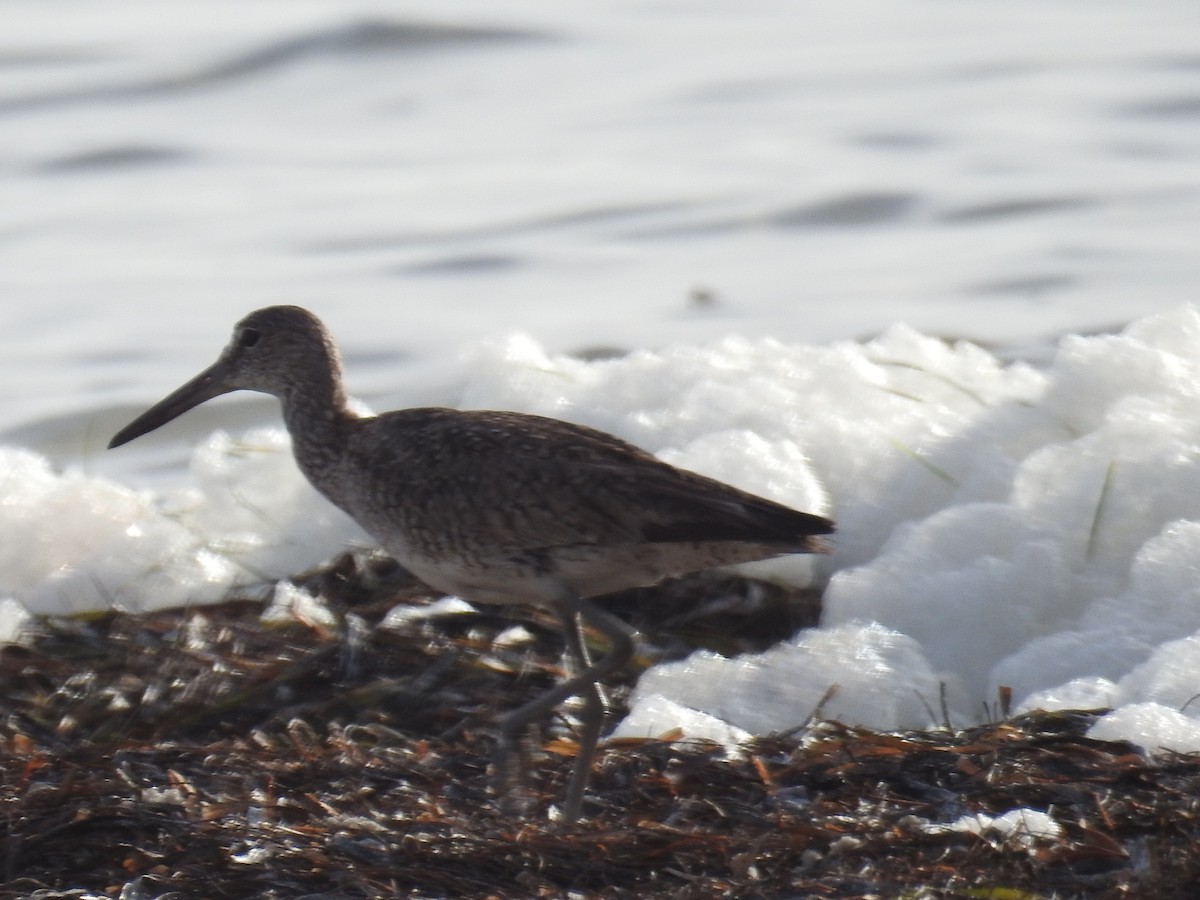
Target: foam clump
(858, 674)
(1022, 827)
(658, 717)
(1151, 726)
(14, 619)
(71, 542)
(252, 502)
(1034, 529)
(290, 603)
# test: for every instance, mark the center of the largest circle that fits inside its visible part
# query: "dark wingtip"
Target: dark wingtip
(820, 524)
(815, 527)
(816, 545)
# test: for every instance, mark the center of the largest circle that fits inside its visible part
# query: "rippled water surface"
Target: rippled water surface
(597, 174)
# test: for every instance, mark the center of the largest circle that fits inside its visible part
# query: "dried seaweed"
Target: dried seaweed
(203, 753)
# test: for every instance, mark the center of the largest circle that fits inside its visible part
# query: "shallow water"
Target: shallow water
(596, 174)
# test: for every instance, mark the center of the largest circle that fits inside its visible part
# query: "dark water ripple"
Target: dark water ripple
(118, 157)
(466, 264)
(616, 214)
(362, 38)
(1185, 106)
(850, 210)
(1007, 209)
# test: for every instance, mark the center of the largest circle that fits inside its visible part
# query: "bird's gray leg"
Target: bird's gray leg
(574, 611)
(591, 720)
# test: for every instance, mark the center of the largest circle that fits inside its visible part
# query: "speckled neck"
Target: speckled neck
(315, 408)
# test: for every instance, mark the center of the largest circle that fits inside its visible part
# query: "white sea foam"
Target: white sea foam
(1021, 827)
(998, 525)
(70, 542)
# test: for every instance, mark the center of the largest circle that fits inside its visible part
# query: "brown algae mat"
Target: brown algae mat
(207, 753)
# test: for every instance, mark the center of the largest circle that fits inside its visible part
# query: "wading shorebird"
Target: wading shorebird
(498, 507)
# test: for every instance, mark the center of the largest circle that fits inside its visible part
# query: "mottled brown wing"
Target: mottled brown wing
(529, 482)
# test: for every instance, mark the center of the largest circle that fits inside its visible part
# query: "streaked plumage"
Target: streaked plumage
(497, 507)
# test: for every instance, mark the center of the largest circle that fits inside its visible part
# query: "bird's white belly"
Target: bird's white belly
(492, 582)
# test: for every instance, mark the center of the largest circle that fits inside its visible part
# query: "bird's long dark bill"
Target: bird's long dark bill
(205, 386)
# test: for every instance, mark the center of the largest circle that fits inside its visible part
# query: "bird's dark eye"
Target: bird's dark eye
(249, 337)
